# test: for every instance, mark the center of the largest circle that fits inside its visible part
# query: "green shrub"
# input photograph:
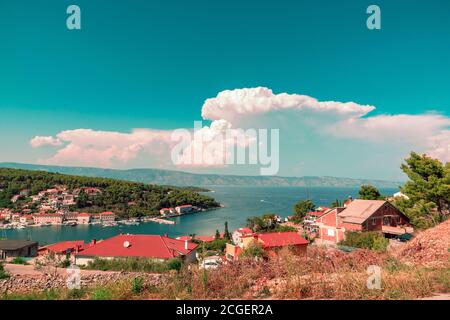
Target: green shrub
(284, 229)
(174, 264)
(137, 286)
(3, 274)
(217, 245)
(76, 294)
(101, 294)
(40, 295)
(65, 264)
(135, 265)
(366, 240)
(19, 260)
(254, 250)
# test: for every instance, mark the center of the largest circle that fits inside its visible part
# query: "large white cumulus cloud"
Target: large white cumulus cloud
(232, 104)
(298, 116)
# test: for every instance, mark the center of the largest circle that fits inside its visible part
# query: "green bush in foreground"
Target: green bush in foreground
(137, 285)
(135, 265)
(3, 274)
(101, 294)
(19, 260)
(366, 240)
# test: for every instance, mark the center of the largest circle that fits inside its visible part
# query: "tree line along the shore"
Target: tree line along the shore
(126, 199)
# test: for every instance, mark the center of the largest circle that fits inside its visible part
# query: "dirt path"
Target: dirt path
(438, 296)
(28, 270)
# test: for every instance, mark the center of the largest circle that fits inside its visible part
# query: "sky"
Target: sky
(348, 101)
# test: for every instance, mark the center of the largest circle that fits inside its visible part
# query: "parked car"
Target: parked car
(404, 237)
(212, 262)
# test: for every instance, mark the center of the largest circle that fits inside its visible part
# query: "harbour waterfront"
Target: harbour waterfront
(240, 203)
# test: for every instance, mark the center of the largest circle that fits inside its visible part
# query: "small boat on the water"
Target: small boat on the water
(109, 224)
(130, 223)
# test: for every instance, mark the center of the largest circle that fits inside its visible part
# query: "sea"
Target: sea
(240, 202)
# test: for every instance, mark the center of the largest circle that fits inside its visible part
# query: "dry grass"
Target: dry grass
(326, 274)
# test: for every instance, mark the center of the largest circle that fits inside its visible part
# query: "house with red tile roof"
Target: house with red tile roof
(310, 220)
(184, 209)
(239, 234)
(48, 218)
(155, 247)
(27, 219)
(63, 248)
(361, 215)
(167, 211)
(84, 218)
(271, 242)
(107, 216)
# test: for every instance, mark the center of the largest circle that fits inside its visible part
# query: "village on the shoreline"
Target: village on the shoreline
(345, 237)
(55, 207)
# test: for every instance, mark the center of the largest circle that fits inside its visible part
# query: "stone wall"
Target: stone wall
(33, 283)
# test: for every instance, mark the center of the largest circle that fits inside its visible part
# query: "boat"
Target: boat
(130, 223)
(109, 224)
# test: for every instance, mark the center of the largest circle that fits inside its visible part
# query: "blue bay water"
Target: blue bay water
(240, 203)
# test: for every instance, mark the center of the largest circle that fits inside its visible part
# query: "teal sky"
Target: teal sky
(152, 64)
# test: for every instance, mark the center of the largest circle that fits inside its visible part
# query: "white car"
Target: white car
(213, 262)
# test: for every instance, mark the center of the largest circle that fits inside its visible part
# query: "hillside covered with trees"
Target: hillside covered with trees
(126, 199)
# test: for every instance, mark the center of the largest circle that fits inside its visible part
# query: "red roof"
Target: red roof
(185, 206)
(316, 213)
(144, 246)
(206, 238)
(281, 239)
(57, 215)
(84, 214)
(63, 247)
(185, 238)
(107, 213)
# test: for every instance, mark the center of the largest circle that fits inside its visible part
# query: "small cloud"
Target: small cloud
(40, 141)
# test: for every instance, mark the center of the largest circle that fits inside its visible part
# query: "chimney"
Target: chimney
(93, 242)
(348, 201)
(186, 245)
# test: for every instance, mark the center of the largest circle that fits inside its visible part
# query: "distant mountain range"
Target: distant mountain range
(179, 178)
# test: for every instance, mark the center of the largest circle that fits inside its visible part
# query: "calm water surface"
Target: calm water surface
(240, 203)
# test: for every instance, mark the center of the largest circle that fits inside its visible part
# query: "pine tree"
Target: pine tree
(226, 233)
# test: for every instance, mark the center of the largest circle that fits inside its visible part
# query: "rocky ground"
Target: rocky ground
(429, 248)
(32, 282)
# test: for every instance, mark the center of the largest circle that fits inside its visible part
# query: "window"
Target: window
(330, 232)
(397, 218)
(374, 221)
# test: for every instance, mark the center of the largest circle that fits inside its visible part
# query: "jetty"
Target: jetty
(161, 221)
